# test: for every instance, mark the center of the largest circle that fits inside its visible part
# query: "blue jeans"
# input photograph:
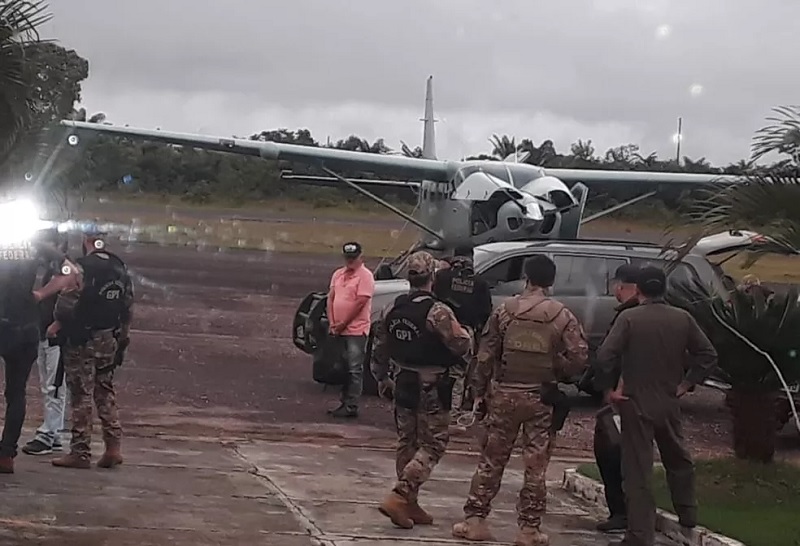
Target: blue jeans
(353, 351)
(48, 432)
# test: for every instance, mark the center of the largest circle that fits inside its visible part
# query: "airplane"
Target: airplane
(458, 202)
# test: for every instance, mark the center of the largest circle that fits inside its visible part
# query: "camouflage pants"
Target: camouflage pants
(462, 377)
(422, 436)
(507, 412)
(89, 374)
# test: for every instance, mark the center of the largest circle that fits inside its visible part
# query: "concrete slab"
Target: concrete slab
(334, 492)
(178, 492)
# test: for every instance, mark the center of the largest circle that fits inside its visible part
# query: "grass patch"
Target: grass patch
(754, 503)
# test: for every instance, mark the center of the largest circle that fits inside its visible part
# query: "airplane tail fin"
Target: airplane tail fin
(428, 132)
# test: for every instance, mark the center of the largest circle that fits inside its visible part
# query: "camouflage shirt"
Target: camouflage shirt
(440, 320)
(572, 351)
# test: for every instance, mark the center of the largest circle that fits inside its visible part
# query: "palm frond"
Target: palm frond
(19, 21)
(770, 322)
(782, 135)
(767, 203)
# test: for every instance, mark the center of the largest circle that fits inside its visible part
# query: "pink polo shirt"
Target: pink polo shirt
(346, 286)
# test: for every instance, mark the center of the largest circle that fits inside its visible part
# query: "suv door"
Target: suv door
(583, 285)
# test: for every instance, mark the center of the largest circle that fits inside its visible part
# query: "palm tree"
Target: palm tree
(19, 21)
(748, 319)
(502, 147)
(748, 328)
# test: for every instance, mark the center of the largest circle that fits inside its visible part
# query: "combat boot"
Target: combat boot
(417, 514)
(112, 457)
(395, 507)
(72, 460)
(531, 536)
(6, 465)
(474, 529)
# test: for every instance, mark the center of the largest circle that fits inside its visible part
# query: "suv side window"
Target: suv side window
(505, 277)
(584, 275)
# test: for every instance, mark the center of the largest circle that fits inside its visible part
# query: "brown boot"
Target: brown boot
(417, 514)
(395, 507)
(73, 460)
(112, 457)
(531, 536)
(6, 465)
(474, 529)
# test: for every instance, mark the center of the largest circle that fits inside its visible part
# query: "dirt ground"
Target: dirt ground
(211, 356)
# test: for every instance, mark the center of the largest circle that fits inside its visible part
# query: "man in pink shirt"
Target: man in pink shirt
(349, 310)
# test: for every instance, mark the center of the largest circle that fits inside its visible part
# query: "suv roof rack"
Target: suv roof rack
(628, 245)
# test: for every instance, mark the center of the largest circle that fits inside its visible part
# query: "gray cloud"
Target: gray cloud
(607, 70)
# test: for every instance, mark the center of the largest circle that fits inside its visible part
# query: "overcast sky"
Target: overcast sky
(613, 71)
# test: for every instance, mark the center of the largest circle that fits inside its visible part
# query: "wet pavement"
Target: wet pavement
(198, 492)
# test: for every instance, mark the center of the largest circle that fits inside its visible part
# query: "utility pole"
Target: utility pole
(679, 137)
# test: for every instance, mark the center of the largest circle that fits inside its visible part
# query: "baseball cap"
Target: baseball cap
(627, 273)
(351, 250)
(652, 280)
(421, 263)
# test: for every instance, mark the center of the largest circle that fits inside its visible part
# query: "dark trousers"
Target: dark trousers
(353, 349)
(18, 363)
(608, 457)
(638, 433)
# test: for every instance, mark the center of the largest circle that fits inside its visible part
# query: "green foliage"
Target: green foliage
(770, 321)
(754, 503)
(768, 199)
(19, 21)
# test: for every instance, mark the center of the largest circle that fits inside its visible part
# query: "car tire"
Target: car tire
(369, 386)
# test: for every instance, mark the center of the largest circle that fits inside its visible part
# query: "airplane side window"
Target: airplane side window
(586, 276)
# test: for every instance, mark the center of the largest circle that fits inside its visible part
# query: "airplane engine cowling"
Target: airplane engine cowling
(553, 190)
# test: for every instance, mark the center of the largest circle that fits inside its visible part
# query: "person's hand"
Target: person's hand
(386, 388)
(53, 329)
(683, 388)
(615, 397)
(337, 328)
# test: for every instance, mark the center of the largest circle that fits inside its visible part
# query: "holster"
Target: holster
(554, 397)
(407, 388)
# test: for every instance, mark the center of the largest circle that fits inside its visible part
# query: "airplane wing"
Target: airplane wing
(643, 177)
(390, 165)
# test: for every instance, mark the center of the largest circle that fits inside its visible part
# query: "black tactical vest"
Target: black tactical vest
(409, 339)
(458, 292)
(101, 304)
(19, 313)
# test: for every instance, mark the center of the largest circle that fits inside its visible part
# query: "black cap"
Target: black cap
(351, 250)
(652, 281)
(627, 273)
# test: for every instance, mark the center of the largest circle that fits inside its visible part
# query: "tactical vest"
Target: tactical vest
(101, 304)
(529, 344)
(409, 340)
(19, 313)
(460, 287)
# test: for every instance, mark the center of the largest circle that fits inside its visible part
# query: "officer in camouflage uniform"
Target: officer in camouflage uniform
(528, 344)
(469, 296)
(93, 314)
(422, 340)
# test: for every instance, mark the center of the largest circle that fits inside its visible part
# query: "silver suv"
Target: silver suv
(584, 271)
